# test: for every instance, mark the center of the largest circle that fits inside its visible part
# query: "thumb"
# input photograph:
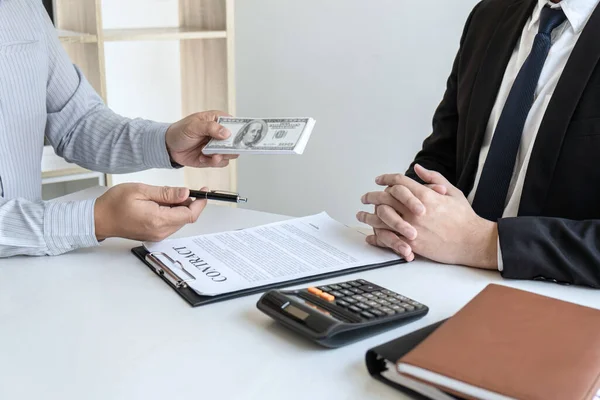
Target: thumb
(166, 194)
(439, 189)
(434, 178)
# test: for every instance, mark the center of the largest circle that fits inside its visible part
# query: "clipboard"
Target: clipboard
(158, 263)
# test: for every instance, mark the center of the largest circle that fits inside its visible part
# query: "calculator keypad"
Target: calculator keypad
(366, 299)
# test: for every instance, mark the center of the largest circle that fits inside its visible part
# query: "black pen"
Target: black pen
(218, 195)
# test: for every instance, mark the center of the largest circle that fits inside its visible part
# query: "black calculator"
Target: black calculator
(339, 314)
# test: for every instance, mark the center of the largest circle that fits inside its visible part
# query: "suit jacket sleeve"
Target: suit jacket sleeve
(439, 149)
(553, 249)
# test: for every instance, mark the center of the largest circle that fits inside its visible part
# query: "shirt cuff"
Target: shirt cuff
(500, 263)
(69, 226)
(154, 145)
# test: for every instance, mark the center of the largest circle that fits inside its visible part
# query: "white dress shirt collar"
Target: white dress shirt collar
(578, 12)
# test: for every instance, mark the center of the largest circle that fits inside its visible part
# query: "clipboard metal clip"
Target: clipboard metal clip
(161, 268)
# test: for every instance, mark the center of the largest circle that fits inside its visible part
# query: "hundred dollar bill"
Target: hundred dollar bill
(263, 136)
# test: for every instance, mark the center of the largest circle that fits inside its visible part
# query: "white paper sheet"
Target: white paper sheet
(229, 261)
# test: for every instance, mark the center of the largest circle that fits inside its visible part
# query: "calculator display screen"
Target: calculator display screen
(310, 304)
(296, 312)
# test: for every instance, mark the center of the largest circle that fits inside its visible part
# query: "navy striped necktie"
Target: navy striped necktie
(490, 197)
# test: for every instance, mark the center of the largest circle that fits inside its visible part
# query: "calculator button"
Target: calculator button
(359, 298)
(367, 314)
(363, 306)
(345, 286)
(378, 294)
(362, 281)
(368, 296)
(418, 305)
(325, 288)
(314, 291)
(357, 290)
(387, 292)
(334, 287)
(393, 300)
(397, 308)
(377, 313)
(355, 284)
(372, 303)
(383, 302)
(368, 288)
(350, 300)
(355, 309)
(408, 307)
(336, 294)
(342, 303)
(327, 296)
(347, 292)
(388, 310)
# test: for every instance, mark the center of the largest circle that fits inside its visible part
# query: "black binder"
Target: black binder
(194, 299)
(393, 351)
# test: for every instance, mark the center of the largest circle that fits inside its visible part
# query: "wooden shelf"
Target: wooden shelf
(207, 72)
(176, 33)
(66, 172)
(76, 37)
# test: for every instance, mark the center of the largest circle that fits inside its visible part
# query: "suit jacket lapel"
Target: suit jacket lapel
(488, 81)
(549, 140)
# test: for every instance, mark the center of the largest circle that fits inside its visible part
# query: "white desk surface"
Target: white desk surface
(98, 324)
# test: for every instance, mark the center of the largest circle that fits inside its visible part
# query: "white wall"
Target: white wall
(143, 79)
(370, 71)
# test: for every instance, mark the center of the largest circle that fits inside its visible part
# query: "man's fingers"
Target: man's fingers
(382, 197)
(394, 242)
(197, 206)
(430, 176)
(212, 115)
(186, 213)
(165, 194)
(439, 189)
(434, 177)
(371, 220)
(406, 197)
(395, 222)
(400, 179)
(211, 129)
(210, 159)
(373, 241)
(175, 216)
(216, 161)
(222, 164)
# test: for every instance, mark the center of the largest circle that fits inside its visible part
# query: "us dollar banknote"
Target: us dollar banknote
(263, 136)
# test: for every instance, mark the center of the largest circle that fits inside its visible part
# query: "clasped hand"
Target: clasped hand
(434, 220)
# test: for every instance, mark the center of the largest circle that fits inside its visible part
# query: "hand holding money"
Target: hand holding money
(185, 140)
(262, 136)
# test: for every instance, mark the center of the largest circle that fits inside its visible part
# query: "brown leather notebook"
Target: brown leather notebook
(511, 344)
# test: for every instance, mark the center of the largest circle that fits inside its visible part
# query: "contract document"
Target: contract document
(225, 262)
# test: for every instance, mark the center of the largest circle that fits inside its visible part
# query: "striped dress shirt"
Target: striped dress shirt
(42, 93)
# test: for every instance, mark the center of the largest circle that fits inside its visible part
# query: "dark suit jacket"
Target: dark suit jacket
(556, 235)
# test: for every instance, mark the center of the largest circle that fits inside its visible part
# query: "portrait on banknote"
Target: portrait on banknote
(251, 134)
